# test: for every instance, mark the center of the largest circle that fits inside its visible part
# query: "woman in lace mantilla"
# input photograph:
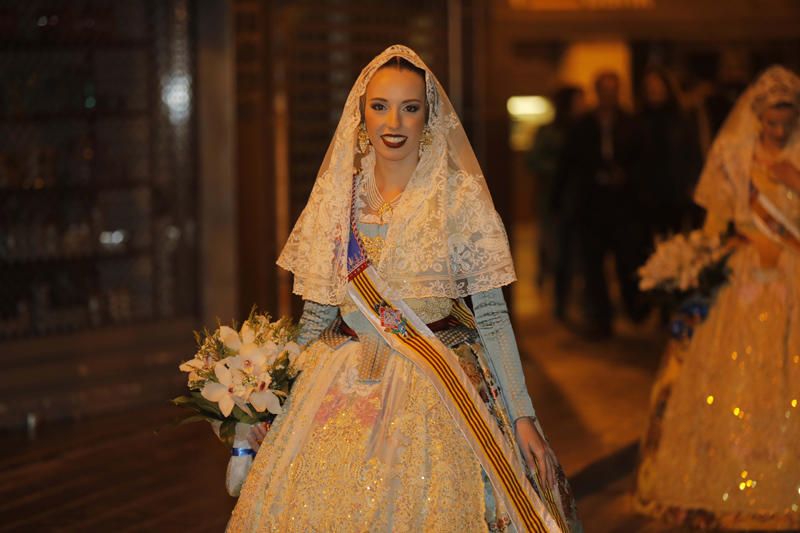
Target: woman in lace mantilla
(365, 442)
(721, 449)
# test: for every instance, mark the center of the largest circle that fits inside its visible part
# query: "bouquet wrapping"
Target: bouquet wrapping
(238, 378)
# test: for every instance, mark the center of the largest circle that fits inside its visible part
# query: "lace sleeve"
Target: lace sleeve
(316, 317)
(497, 335)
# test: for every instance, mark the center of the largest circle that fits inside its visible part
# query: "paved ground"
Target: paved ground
(592, 397)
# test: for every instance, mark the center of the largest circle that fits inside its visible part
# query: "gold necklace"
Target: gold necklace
(375, 199)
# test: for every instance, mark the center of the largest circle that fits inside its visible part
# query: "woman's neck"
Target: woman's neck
(391, 177)
(769, 147)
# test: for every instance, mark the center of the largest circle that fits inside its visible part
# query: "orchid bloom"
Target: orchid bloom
(243, 343)
(251, 359)
(263, 398)
(222, 393)
(233, 340)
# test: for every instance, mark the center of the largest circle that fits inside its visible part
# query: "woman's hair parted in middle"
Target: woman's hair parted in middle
(400, 63)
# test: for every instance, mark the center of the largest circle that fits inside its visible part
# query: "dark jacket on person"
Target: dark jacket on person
(594, 173)
(667, 165)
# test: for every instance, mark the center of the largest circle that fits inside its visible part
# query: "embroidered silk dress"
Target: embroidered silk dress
(365, 442)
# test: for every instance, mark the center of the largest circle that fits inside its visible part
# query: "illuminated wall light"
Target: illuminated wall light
(112, 238)
(529, 107)
(527, 113)
(177, 96)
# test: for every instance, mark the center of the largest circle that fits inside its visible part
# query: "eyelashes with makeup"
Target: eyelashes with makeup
(411, 108)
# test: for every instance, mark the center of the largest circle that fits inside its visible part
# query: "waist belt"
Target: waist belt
(439, 325)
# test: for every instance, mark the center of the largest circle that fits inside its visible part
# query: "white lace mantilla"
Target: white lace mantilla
(445, 238)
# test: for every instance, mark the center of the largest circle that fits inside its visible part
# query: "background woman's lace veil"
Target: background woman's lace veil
(445, 238)
(724, 184)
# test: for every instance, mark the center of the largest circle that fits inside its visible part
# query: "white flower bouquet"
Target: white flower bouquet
(685, 271)
(240, 378)
(682, 262)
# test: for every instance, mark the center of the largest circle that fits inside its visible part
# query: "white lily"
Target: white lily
(233, 340)
(230, 338)
(263, 398)
(223, 392)
(252, 358)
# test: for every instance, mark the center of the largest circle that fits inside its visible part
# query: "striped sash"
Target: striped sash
(772, 222)
(406, 333)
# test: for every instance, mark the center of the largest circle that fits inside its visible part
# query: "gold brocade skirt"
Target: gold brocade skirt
(353, 456)
(721, 450)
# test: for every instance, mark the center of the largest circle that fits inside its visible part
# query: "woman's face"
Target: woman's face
(777, 124)
(394, 113)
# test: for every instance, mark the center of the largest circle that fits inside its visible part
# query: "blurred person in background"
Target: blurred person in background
(714, 94)
(669, 158)
(732, 77)
(598, 164)
(721, 447)
(557, 226)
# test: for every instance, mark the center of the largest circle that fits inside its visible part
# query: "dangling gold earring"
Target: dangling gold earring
(425, 140)
(363, 139)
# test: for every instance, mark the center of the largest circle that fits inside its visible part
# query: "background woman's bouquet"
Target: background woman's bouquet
(685, 272)
(240, 378)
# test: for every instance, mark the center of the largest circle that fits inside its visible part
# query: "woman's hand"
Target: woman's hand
(784, 172)
(257, 434)
(535, 450)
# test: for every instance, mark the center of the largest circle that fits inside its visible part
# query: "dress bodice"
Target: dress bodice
(491, 317)
(784, 198)
(373, 234)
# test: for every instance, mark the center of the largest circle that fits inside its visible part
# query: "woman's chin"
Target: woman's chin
(394, 154)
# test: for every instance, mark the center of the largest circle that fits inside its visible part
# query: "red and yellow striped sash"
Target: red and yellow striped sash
(498, 461)
(777, 228)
